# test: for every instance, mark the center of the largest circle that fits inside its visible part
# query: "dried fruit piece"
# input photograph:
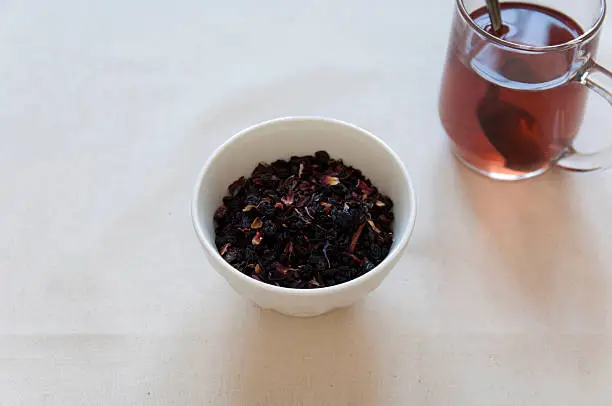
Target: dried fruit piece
(257, 239)
(249, 207)
(364, 188)
(257, 223)
(380, 204)
(331, 180)
(288, 200)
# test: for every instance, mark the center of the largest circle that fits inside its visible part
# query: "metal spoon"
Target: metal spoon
(495, 15)
(513, 131)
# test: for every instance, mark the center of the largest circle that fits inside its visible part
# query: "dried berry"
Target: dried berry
(308, 222)
(322, 156)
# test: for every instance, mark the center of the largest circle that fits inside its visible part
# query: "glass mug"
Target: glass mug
(513, 109)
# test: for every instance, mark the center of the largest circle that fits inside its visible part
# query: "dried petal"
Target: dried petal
(223, 249)
(303, 201)
(288, 200)
(257, 223)
(279, 205)
(356, 238)
(290, 182)
(371, 223)
(325, 253)
(365, 189)
(330, 180)
(301, 170)
(306, 186)
(249, 207)
(282, 269)
(257, 239)
(264, 200)
(326, 205)
(258, 269)
(308, 212)
(353, 257)
(380, 204)
(301, 216)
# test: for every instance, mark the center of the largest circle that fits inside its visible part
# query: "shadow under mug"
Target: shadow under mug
(513, 110)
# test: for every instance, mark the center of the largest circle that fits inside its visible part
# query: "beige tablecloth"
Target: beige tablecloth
(109, 109)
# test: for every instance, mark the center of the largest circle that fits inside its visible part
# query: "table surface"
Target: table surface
(109, 110)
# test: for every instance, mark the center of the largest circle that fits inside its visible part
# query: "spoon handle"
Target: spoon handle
(495, 15)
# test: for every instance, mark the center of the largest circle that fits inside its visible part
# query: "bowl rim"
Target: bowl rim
(328, 290)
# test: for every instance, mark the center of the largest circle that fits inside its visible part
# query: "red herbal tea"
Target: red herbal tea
(511, 113)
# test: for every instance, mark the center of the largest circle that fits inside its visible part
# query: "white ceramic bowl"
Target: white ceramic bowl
(282, 138)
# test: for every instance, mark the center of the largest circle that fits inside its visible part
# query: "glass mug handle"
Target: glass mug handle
(598, 79)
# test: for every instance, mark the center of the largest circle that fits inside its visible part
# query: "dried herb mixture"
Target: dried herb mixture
(309, 222)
